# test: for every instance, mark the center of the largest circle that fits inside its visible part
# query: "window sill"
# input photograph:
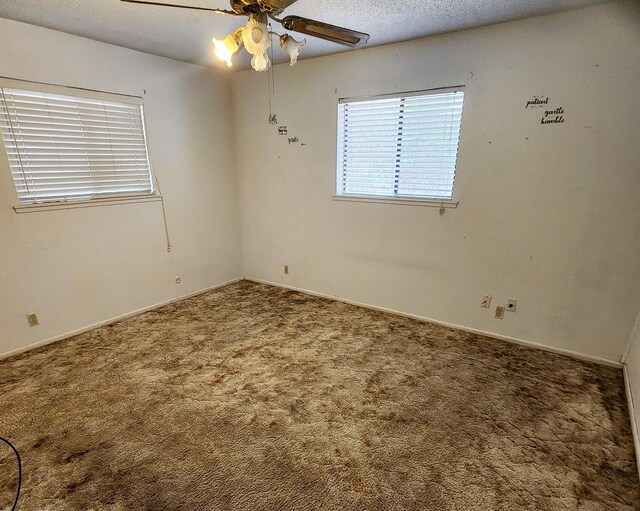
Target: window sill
(55, 206)
(433, 203)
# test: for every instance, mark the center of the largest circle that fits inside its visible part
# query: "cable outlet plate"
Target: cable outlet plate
(511, 305)
(499, 314)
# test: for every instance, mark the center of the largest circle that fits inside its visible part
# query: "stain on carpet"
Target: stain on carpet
(257, 398)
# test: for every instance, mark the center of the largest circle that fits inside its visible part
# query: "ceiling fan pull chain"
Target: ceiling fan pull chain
(273, 71)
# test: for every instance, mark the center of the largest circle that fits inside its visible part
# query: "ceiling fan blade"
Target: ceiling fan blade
(332, 33)
(163, 4)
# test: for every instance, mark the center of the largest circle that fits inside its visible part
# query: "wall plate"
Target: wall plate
(32, 319)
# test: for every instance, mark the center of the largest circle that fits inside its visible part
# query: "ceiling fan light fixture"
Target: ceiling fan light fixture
(260, 62)
(255, 36)
(292, 47)
(227, 48)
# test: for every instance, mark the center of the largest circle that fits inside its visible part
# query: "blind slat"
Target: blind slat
(83, 128)
(35, 112)
(76, 159)
(114, 167)
(68, 144)
(38, 152)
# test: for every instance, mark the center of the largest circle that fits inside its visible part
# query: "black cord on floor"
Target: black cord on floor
(15, 502)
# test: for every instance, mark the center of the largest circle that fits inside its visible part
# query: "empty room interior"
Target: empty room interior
(273, 255)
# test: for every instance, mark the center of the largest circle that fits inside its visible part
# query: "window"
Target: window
(73, 148)
(399, 146)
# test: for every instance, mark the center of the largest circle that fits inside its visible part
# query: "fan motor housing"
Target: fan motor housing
(254, 7)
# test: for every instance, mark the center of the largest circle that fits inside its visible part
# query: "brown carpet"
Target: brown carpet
(256, 398)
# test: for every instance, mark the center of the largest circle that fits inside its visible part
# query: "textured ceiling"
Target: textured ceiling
(186, 35)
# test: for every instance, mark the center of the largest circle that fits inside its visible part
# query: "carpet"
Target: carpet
(253, 398)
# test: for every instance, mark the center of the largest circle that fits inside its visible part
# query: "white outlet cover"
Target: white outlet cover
(511, 305)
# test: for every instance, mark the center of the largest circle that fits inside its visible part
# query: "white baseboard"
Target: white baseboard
(522, 342)
(60, 337)
(632, 414)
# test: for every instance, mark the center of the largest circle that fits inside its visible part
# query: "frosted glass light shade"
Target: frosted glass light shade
(226, 48)
(256, 38)
(261, 62)
(292, 47)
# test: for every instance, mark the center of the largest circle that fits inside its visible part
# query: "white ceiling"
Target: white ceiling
(186, 35)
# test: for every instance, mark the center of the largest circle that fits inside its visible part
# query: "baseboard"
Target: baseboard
(632, 415)
(522, 342)
(61, 337)
(515, 340)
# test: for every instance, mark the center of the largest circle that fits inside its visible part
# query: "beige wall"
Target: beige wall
(78, 267)
(634, 352)
(633, 383)
(548, 214)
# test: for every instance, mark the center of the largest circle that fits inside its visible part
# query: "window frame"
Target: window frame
(66, 203)
(450, 202)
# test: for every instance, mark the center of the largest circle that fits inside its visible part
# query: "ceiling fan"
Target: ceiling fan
(255, 36)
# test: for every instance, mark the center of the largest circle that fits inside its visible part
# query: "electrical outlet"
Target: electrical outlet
(286, 269)
(32, 319)
(499, 312)
(511, 305)
(486, 301)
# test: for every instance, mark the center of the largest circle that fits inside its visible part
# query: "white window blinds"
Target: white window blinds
(400, 145)
(65, 148)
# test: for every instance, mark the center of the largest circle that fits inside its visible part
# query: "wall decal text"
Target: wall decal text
(553, 116)
(537, 102)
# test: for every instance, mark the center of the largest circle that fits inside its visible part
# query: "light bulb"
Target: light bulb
(256, 34)
(226, 48)
(292, 47)
(260, 62)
